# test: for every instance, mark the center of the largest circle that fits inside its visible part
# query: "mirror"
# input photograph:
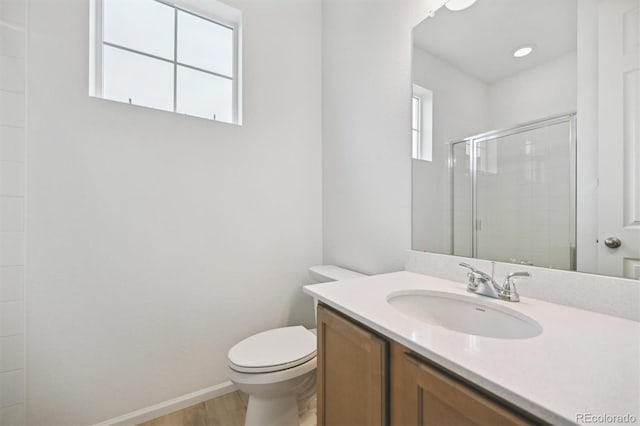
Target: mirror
(526, 134)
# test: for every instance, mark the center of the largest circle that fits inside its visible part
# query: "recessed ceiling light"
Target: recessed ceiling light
(456, 5)
(523, 51)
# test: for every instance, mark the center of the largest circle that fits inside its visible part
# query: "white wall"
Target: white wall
(13, 25)
(459, 110)
(587, 155)
(549, 89)
(157, 241)
(366, 131)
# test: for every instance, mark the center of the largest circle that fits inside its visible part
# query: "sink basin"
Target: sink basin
(465, 314)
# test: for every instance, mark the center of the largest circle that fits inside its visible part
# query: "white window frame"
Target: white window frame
(416, 149)
(209, 10)
(424, 148)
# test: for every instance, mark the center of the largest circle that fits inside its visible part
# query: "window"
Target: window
(164, 56)
(422, 124)
(416, 126)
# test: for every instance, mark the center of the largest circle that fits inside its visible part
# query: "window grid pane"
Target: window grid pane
(208, 67)
(146, 26)
(204, 95)
(205, 44)
(137, 79)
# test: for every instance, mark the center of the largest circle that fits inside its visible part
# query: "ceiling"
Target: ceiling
(481, 40)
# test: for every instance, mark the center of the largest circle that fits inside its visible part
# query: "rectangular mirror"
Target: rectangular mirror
(526, 134)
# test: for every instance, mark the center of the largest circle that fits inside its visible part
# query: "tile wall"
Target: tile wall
(12, 204)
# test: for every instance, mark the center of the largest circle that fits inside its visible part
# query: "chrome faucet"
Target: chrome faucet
(482, 283)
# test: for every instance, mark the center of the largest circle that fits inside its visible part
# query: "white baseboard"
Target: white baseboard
(163, 408)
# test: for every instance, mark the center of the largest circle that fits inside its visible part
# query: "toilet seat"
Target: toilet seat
(273, 350)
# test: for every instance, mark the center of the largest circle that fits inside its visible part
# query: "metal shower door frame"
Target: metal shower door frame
(473, 141)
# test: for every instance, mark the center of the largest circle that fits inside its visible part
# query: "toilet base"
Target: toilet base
(279, 411)
(274, 396)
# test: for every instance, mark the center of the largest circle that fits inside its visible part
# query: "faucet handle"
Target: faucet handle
(509, 291)
(472, 285)
(466, 265)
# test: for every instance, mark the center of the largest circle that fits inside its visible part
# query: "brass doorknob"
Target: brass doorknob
(612, 242)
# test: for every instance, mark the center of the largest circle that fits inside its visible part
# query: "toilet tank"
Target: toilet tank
(327, 273)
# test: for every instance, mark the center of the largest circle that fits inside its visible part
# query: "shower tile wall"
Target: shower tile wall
(12, 191)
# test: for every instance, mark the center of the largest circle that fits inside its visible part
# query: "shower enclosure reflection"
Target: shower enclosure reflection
(561, 190)
(513, 194)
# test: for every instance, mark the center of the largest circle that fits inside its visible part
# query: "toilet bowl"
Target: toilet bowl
(277, 368)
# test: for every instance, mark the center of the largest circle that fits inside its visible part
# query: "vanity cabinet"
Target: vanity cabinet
(352, 373)
(364, 379)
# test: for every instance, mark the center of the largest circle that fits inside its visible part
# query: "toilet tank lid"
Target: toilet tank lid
(332, 273)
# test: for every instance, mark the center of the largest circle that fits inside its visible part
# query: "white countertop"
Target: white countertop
(583, 362)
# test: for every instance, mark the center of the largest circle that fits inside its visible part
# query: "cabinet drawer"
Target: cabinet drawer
(431, 397)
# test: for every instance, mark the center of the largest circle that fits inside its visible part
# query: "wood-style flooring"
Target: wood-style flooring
(226, 410)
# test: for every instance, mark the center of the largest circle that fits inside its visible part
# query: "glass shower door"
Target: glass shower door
(523, 197)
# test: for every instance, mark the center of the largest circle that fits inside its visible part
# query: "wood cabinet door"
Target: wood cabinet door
(430, 397)
(352, 373)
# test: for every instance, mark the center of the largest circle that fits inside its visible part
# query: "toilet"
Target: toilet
(277, 368)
